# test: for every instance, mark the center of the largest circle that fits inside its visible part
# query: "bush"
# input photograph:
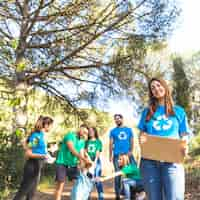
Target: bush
(11, 163)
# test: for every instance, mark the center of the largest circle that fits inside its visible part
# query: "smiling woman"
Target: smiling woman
(163, 118)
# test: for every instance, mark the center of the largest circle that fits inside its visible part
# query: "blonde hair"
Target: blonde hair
(125, 159)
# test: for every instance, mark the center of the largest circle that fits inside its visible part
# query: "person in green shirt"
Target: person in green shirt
(69, 154)
(131, 177)
(93, 149)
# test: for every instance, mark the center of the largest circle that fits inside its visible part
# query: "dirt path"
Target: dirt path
(192, 193)
(47, 194)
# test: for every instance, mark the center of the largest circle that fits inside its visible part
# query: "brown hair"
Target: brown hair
(40, 124)
(96, 135)
(125, 159)
(153, 102)
(82, 126)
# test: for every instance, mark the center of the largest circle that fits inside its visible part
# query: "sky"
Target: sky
(186, 37)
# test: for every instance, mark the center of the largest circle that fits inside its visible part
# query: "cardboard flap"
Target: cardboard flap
(163, 149)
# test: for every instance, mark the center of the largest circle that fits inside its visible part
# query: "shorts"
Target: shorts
(63, 171)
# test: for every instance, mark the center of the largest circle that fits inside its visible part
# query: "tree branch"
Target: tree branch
(6, 35)
(56, 93)
(37, 12)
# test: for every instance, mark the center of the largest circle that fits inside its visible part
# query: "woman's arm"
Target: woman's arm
(30, 154)
(111, 176)
(70, 146)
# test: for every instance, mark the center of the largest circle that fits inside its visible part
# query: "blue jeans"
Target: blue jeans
(99, 185)
(117, 181)
(127, 182)
(163, 180)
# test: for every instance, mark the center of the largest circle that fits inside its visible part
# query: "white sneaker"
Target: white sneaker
(140, 196)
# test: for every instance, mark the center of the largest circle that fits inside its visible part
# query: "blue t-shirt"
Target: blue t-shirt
(172, 126)
(121, 139)
(37, 143)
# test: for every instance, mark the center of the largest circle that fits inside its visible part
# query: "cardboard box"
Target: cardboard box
(163, 149)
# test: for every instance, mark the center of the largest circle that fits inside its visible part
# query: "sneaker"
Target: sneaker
(140, 196)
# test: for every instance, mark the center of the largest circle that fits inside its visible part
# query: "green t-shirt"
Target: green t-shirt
(65, 157)
(131, 171)
(92, 146)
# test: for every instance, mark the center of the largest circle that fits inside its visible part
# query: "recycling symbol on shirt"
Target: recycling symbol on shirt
(34, 143)
(122, 135)
(162, 123)
(91, 148)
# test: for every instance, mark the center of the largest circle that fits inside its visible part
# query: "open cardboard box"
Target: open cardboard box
(163, 149)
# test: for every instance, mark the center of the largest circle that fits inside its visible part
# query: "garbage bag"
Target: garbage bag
(82, 187)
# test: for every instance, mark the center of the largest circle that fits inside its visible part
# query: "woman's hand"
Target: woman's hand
(142, 138)
(97, 179)
(88, 164)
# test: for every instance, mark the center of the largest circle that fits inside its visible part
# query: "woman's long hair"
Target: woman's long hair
(153, 102)
(96, 135)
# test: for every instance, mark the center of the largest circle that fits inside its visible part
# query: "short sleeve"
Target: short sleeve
(81, 144)
(33, 141)
(99, 145)
(131, 133)
(142, 122)
(69, 137)
(130, 169)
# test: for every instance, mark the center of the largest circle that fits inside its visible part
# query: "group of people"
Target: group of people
(79, 152)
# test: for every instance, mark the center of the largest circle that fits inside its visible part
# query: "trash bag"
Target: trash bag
(82, 187)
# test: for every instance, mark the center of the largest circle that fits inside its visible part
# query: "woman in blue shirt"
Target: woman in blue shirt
(35, 152)
(163, 180)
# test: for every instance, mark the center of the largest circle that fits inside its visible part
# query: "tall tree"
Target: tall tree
(64, 47)
(182, 86)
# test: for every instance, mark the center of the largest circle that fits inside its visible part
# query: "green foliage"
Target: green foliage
(21, 65)
(195, 146)
(11, 163)
(11, 151)
(67, 43)
(182, 86)
(48, 176)
(14, 102)
(14, 43)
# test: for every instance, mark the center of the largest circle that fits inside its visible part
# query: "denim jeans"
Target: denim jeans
(99, 185)
(117, 181)
(163, 180)
(127, 182)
